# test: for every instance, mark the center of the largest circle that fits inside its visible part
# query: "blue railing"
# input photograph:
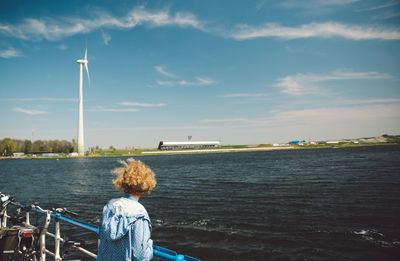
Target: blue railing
(158, 251)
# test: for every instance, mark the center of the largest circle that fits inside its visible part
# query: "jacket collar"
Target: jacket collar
(130, 197)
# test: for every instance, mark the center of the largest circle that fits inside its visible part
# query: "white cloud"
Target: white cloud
(30, 112)
(205, 81)
(381, 6)
(36, 29)
(369, 101)
(102, 109)
(355, 117)
(106, 37)
(318, 123)
(10, 53)
(143, 104)
(157, 128)
(225, 120)
(54, 29)
(137, 104)
(334, 2)
(388, 14)
(165, 83)
(302, 84)
(161, 18)
(162, 70)
(316, 30)
(183, 83)
(40, 99)
(199, 82)
(260, 5)
(234, 95)
(63, 47)
(315, 3)
(319, 116)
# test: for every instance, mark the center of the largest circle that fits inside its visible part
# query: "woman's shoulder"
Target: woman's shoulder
(125, 206)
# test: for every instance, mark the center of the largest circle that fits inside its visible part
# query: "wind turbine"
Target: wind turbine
(82, 63)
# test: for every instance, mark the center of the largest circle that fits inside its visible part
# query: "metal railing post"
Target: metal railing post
(27, 221)
(57, 241)
(43, 237)
(4, 219)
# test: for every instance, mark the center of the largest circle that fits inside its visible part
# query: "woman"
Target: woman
(125, 226)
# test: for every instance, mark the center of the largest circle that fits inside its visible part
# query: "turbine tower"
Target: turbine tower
(82, 62)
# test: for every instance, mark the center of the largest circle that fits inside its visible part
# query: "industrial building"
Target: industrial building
(173, 145)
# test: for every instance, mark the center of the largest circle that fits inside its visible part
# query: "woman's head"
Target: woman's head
(134, 178)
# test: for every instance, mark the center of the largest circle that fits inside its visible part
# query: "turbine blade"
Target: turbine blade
(87, 72)
(86, 54)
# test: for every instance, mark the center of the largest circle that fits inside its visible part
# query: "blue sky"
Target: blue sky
(243, 72)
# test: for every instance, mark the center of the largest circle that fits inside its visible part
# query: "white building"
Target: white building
(173, 145)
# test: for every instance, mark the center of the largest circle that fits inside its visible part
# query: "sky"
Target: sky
(241, 72)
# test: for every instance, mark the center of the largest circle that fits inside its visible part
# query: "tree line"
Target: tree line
(9, 146)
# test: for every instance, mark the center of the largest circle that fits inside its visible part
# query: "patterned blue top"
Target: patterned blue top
(125, 230)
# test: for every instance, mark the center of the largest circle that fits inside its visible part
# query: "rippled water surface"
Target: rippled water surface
(317, 204)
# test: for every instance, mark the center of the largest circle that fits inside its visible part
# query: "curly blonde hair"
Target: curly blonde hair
(135, 178)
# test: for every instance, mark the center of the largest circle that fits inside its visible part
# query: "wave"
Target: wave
(377, 238)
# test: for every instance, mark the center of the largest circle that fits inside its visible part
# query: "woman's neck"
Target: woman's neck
(135, 197)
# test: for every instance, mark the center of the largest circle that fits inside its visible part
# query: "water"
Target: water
(317, 204)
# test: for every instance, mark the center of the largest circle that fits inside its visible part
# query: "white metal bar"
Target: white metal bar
(87, 252)
(27, 222)
(42, 239)
(57, 241)
(50, 253)
(4, 220)
(54, 236)
(81, 249)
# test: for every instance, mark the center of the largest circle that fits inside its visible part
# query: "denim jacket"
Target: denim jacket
(125, 231)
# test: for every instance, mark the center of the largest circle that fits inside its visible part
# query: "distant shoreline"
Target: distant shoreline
(150, 152)
(215, 150)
